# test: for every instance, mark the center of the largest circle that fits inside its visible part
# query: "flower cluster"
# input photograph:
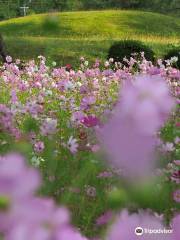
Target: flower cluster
(70, 114)
(64, 97)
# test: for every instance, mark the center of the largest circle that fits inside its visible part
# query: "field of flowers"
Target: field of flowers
(92, 151)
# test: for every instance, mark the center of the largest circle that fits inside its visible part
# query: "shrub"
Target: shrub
(126, 48)
(173, 53)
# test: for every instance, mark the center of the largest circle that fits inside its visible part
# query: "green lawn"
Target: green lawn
(66, 36)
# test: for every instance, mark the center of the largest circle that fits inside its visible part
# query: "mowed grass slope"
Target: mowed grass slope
(66, 36)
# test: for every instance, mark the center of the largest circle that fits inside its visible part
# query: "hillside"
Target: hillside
(71, 34)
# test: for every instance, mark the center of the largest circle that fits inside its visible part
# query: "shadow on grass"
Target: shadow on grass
(62, 51)
(67, 51)
(45, 26)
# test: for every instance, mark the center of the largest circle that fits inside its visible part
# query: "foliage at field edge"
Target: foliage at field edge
(13, 8)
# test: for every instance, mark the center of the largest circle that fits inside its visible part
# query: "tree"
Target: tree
(2, 49)
(11, 8)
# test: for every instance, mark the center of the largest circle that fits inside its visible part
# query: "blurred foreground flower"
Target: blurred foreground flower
(175, 227)
(129, 136)
(24, 216)
(126, 225)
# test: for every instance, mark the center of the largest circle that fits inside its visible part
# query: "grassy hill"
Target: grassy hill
(66, 36)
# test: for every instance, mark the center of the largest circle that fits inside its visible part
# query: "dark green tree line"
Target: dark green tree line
(12, 8)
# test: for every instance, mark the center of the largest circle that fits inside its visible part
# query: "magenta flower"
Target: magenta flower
(90, 121)
(68, 67)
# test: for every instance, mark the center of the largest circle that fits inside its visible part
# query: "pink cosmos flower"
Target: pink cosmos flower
(17, 184)
(176, 196)
(104, 219)
(87, 102)
(77, 116)
(72, 145)
(144, 102)
(49, 127)
(177, 140)
(124, 227)
(91, 191)
(26, 216)
(14, 98)
(168, 147)
(177, 162)
(105, 174)
(84, 89)
(97, 63)
(154, 71)
(175, 177)
(8, 59)
(69, 234)
(33, 108)
(29, 220)
(39, 147)
(175, 227)
(129, 136)
(95, 148)
(18, 61)
(12, 171)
